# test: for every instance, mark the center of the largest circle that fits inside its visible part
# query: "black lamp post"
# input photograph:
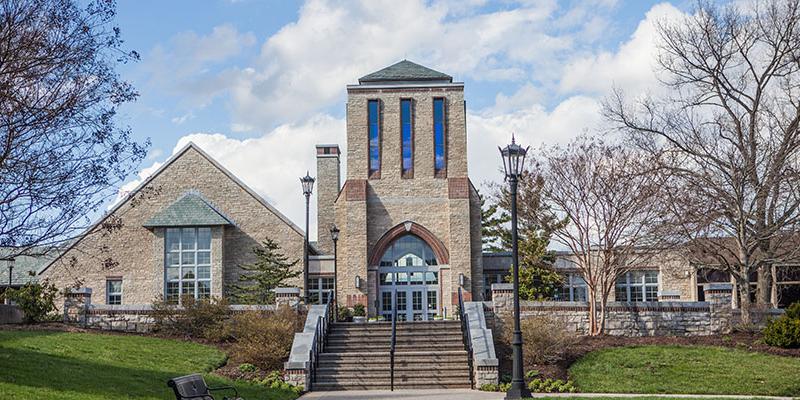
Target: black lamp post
(513, 164)
(10, 263)
(335, 238)
(308, 186)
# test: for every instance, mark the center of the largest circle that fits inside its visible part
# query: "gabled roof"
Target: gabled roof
(189, 210)
(405, 71)
(26, 265)
(158, 172)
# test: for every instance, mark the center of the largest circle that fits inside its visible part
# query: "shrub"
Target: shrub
(264, 339)
(247, 367)
(546, 340)
(551, 386)
(345, 314)
(204, 319)
(793, 311)
(489, 387)
(359, 311)
(36, 300)
(274, 380)
(783, 332)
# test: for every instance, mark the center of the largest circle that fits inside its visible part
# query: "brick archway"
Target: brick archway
(405, 228)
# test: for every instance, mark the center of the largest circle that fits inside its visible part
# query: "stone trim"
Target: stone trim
(355, 190)
(458, 188)
(432, 89)
(442, 256)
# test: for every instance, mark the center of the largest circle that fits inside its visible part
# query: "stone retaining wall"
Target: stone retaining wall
(664, 318)
(10, 314)
(79, 310)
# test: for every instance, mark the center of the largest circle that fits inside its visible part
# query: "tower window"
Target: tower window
(407, 137)
(374, 109)
(439, 154)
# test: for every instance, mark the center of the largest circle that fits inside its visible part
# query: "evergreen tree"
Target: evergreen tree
(496, 236)
(271, 269)
(538, 279)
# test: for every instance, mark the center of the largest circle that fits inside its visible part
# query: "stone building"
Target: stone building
(408, 214)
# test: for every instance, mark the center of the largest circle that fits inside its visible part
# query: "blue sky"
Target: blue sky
(258, 83)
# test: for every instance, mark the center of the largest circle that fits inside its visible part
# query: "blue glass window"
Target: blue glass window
(407, 136)
(374, 109)
(438, 135)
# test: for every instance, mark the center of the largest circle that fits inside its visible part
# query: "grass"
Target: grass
(686, 370)
(60, 365)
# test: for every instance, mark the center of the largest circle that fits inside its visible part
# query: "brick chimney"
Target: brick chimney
(328, 184)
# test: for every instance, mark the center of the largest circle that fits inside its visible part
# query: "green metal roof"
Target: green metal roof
(405, 71)
(25, 266)
(189, 210)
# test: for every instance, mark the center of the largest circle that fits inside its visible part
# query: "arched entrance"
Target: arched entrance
(408, 273)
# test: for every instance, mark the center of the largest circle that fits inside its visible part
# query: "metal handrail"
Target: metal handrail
(466, 336)
(394, 340)
(318, 344)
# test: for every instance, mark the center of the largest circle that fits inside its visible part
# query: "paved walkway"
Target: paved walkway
(466, 394)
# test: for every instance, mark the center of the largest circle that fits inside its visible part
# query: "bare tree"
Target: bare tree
(607, 198)
(61, 151)
(727, 131)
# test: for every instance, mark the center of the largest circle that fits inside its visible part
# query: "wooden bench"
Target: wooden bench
(194, 387)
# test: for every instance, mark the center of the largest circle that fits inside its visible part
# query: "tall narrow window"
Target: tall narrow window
(374, 111)
(188, 263)
(407, 138)
(439, 158)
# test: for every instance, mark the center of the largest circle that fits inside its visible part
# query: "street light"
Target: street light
(513, 164)
(335, 238)
(308, 186)
(10, 263)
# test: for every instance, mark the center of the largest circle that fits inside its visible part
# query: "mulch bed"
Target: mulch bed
(741, 340)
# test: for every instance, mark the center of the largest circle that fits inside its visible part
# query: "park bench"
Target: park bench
(194, 387)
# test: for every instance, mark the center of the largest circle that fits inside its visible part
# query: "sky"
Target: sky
(257, 83)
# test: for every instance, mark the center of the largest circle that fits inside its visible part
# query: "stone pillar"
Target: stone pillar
(76, 305)
(287, 297)
(503, 298)
(328, 184)
(719, 296)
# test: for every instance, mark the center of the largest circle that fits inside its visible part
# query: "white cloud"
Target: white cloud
(271, 164)
(632, 67)
(532, 126)
(303, 68)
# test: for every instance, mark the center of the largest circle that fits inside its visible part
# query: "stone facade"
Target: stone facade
(445, 204)
(328, 185)
(119, 247)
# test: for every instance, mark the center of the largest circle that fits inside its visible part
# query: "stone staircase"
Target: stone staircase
(427, 355)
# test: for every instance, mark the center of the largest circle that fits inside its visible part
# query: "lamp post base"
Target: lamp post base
(518, 392)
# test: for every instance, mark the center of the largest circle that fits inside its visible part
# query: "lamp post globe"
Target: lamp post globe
(513, 165)
(308, 186)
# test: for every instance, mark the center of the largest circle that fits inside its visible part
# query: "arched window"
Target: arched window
(408, 251)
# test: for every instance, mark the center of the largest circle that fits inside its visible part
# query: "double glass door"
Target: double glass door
(413, 292)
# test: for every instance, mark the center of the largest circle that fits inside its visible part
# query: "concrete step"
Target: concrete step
(399, 348)
(404, 374)
(330, 386)
(379, 334)
(403, 326)
(398, 367)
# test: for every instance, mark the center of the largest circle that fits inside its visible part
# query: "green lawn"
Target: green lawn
(686, 370)
(59, 365)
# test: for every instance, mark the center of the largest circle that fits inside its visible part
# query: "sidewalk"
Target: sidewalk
(466, 394)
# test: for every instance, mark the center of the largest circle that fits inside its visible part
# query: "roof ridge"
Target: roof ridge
(405, 70)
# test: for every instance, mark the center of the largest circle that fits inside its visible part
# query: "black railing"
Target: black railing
(318, 344)
(394, 340)
(464, 317)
